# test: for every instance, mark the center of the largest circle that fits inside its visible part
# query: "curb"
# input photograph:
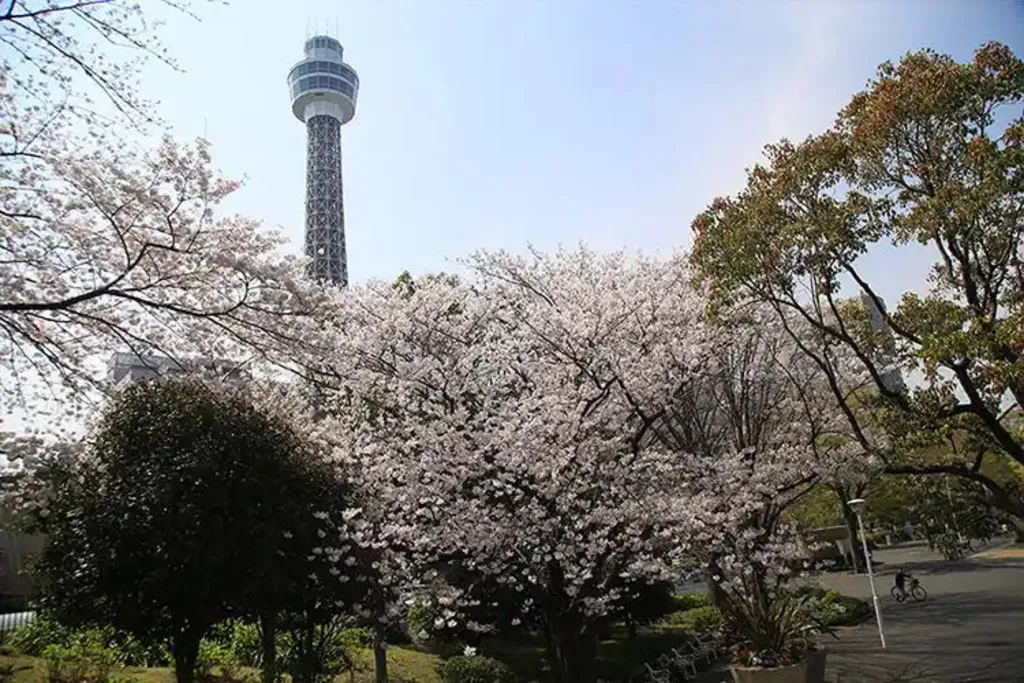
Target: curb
(982, 553)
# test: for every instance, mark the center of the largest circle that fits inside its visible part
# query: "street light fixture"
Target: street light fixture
(855, 504)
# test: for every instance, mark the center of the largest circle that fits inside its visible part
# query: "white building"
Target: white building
(128, 368)
(892, 378)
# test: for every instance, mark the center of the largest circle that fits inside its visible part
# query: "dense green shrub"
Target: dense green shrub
(236, 643)
(214, 655)
(815, 592)
(320, 652)
(704, 619)
(833, 608)
(84, 660)
(854, 612)
(33, 639)
(474, 670)
(355, 638)
(242, 639)
(132, 652)
(688, 601)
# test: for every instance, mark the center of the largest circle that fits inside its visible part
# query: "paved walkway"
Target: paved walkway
(969, 630)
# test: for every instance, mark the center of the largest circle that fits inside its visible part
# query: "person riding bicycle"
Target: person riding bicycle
(901, 581)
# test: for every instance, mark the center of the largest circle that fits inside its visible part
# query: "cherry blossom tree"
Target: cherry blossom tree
(104, 247)
(83, 57)
(524, 427)
(107, 243)
(762, 404)
(104, 250)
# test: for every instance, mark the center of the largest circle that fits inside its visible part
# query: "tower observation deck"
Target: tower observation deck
(323, 90)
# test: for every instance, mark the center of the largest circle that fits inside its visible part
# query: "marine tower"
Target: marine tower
(323, 90)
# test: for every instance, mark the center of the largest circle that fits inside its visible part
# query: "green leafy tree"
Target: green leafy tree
(918, 157)
(184, 509)
(949, 512)
(819, 508)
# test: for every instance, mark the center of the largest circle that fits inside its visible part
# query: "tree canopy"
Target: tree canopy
(107, 241)
(920, 156)
(188, 505)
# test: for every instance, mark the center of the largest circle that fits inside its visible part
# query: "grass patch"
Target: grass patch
(617, 659)
(409, 664)
(25, 668)
(33, 670)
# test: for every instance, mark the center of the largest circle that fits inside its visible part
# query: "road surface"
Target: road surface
(969, 630)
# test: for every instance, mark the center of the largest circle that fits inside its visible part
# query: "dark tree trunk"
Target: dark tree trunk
(575, 649)
(305, 653)
(715, 590)
(186, 651)
(380, 655)
(268, 640)
(550, 648)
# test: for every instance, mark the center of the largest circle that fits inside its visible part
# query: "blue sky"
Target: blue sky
(497, 123)
(491, 124)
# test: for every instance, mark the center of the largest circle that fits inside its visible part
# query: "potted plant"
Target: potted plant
(777, 632)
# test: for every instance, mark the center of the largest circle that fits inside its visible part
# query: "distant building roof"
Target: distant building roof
(126, 367)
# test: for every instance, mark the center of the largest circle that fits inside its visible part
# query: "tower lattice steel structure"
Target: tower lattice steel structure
(324, 90)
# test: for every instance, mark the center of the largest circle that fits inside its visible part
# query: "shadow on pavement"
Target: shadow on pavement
(926, 567)
(960, 566)
(956, 638)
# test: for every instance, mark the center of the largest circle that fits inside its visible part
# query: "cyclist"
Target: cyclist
(901, 582)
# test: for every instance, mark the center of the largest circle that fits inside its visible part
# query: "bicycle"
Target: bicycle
(915, 591)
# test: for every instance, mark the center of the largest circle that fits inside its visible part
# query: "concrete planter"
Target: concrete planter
(795, 673)
(815, 665)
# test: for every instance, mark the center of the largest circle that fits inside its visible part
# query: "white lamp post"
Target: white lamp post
(855, 504)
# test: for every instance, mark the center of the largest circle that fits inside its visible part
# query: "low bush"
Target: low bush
(243, 640)
(474, 669)
(815, 592)
(235, 643)
(33, 638)
(322, 652)
(706, 619)
(214, 655)
(688, 601)
(853, 611)
(132, 652)
(85, 660)
(834, 608)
